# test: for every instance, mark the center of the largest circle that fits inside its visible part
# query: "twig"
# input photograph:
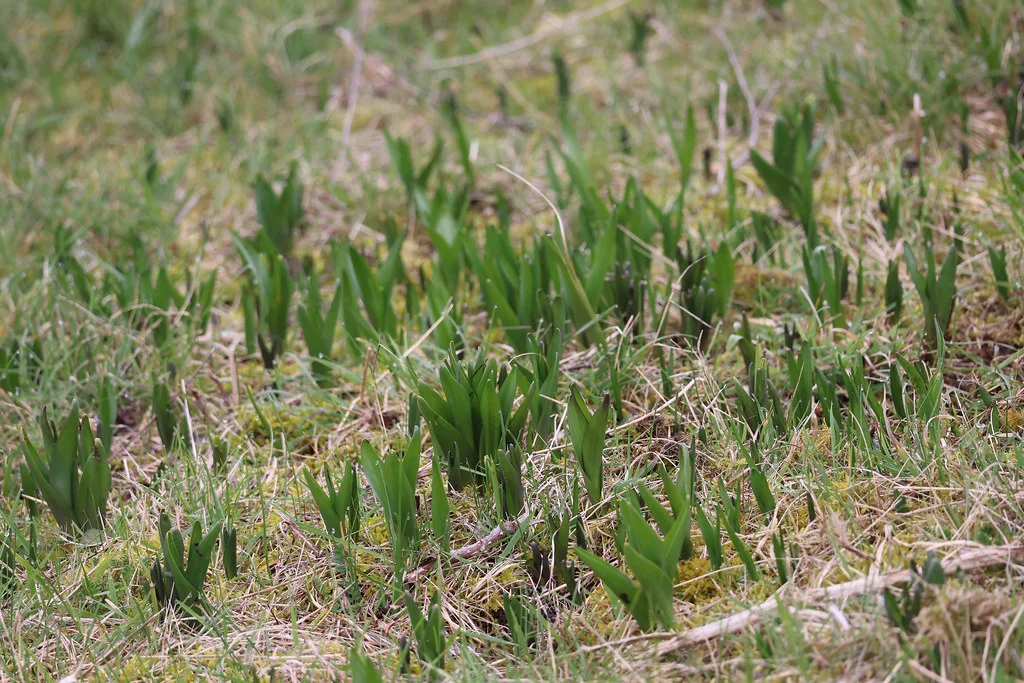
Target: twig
(723, 97)
(752, 109)
(496, 534)
(353, 89)
(975, 558)
(559, 26)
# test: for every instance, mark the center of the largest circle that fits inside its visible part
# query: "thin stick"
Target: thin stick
(493, 536)
(973, 559)
(755, 119)
(354, 83)
(723, 93)
(560, 26)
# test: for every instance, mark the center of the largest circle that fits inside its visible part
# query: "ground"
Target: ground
(860, 514)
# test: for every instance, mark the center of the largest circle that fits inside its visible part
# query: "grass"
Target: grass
(559, 328)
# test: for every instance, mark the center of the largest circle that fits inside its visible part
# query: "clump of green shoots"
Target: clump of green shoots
(680, 494)
(641, 31)
(318, 329)
(516, 287)
(730, 514)
(147, 296)
(265, 299)
(229, 548)
(760, 402)
(827, 284)
(279, 215)
(790, 175)
(374, 288)
(431, 642)
(705, 286)
(925, 404)
(893, 293)
(505, 479)
(339, 507)
(904, 608)
(587, 432)
(72, 474)
(937, 292)
(474, 418)
(654, 562)
(997, 259)
(393, 480)
(170, 423)
(178, 583)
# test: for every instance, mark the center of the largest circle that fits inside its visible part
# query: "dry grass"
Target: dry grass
(76, 119)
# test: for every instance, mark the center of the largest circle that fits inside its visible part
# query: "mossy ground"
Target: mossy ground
(93, 91)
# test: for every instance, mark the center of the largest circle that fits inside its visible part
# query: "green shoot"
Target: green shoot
(72, 474)
(587, 432)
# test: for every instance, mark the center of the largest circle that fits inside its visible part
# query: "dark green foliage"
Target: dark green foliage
(759, 482)
(890, 206)
(524, 621)
(229, 547)
(440, 510)
(473, 419)
(937, 292)
(830, 74)
(731, 515)
(318, 329)
(279, 215)
(684, 147)
(72, 474)
(505, 474)
(562, 76)
(997, 259)
(654, 561)
(680, 494)
(827, 284)
(517, 289)
(903, 608)
(760, 402)
(790, 175)
(170, 423)
(587, 431)
(766, 231)
(359, 283)
(179, 582)
(266, 298)
(641, 31)
(339, 507)
(147, 296)
(362, 669)
(705, 285)
(893, 293)
(431, 642)
(393, 480)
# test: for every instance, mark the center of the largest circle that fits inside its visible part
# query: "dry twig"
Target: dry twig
(973, 559)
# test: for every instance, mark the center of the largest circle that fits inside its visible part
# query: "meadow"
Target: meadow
(636, 339)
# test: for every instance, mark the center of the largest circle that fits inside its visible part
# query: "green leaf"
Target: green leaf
(655, 584)
(439, 507)
(685, 147)
(615, 582)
